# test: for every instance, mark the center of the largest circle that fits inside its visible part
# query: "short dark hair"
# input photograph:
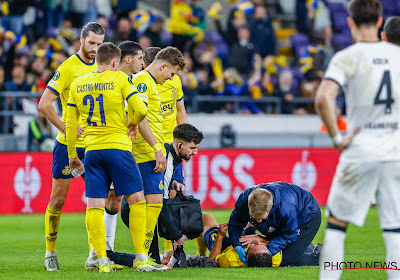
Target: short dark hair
(171, 55)
(188, 133)
(149, 55)
(95, 27)
(129, 48)
(365, 12)
(106, 52)
(259, 260)
(392, 30)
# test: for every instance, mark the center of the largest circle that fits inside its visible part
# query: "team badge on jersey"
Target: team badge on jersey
(66, 170)
(142, 87)
(56, 76)
(161, 185)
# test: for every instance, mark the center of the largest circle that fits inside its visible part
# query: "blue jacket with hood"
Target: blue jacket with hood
(293, 207)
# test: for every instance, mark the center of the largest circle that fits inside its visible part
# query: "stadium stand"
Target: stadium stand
(280, 79)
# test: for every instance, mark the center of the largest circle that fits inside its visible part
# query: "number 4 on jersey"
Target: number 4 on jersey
(389, 100)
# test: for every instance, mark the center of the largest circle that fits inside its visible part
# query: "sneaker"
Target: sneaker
(92, 263)
(165, 260)
(317, 248)
(115, 266)
(51, 264)
(149, 265)
(105, 268)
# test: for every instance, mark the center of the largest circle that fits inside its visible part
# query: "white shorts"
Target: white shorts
(356, 185)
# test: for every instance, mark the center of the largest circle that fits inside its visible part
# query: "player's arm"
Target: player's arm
(139, 108)
(145, 130)
(217, 248)
(181, 116)
(238, 219)
(71, 126)
(324, 104)
(336, 76)
(46, 107)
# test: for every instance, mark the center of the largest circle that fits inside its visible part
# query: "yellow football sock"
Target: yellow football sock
(152, 213)
(51, 223)
(137, 220)
(168, 245)
(96, 230)
(201, 246)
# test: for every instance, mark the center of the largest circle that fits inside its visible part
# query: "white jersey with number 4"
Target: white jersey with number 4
(369, 75)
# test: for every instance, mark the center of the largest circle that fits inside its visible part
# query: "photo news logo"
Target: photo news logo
(333, 266)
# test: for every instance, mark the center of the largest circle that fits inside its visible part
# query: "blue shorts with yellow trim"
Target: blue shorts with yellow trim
(153, 182)
(111, 165)
(60, 168)
(210, 237)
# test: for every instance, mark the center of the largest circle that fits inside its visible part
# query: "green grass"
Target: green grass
(22, 252)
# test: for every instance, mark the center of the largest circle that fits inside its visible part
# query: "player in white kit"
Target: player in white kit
(368, 72)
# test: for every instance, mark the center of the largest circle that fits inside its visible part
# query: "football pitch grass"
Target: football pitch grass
(22, 252)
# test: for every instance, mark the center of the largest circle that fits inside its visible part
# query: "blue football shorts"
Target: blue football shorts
(153, 182)
(111, 165)
(60, 168)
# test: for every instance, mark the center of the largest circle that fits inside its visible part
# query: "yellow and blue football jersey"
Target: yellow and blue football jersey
(147, 88)
(99, 99)
(69, 70)
(170, 92)
(230, 258)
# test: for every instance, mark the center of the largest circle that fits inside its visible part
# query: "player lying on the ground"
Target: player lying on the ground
(287, 215)
(224, 253)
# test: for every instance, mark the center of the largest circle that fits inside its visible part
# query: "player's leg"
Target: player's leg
(209, 222)
(388, 197)
(353, 188)
(128, 181)
(168, 248)
(59, 192)
(153, 184)
(113, 204)
(295, 254)
(97, 184)
(60, 185)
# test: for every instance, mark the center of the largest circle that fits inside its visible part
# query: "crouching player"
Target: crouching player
(99, 98)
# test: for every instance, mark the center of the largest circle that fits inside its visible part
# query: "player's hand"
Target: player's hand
(178, 186)
(242, 254)
(223, 228)
(75, 163)
(161, 162)
(346, 141)
(133, 131)
(249, 239)
(181, 241)
(79, 131)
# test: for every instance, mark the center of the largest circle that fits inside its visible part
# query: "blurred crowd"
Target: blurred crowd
(274, 48)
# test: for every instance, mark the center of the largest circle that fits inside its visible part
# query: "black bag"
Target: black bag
(181, 213)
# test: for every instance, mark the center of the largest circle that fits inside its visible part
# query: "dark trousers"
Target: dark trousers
(295, 254)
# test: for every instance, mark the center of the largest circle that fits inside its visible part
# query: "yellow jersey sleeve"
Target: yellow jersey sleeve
(71, 123)
(147, 89)
(178, 84)
(131, 95)
(60, 80)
